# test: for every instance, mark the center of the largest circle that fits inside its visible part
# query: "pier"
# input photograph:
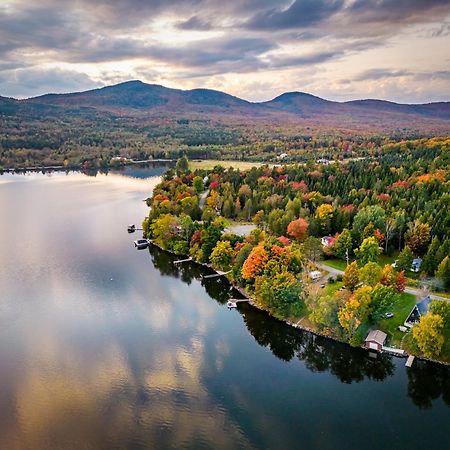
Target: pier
(183, 260)
(215, 275)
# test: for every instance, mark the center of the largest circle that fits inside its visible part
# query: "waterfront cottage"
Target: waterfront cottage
(419, 310)
(375, 340)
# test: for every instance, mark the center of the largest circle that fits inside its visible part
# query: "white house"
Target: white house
(327, 241)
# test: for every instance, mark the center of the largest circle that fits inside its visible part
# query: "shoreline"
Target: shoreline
(252, 303)
(80, 166)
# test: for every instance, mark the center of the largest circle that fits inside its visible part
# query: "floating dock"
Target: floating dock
(409, 361)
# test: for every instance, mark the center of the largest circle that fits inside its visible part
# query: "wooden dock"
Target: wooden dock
(182, 261)
(394, 351)
(409, 361)
(216, 275)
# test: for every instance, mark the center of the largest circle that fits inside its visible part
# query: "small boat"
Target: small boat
(131, 228)
(231, 304)
(141, 244)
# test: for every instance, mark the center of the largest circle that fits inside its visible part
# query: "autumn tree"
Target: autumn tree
(441, 308)
(388, 276)
(222, 256)
(255, 263)
(400, 281)
(368, 251)
(280, 292)
(370, 274)
(418, 236)
(351, 276)
(428, 334)
(355, 311)
(298, 229)
(324, 214)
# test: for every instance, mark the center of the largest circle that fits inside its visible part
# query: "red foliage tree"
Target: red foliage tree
(298, 229)
(400, 281)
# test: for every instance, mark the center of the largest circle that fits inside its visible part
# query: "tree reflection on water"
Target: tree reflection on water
(426, 381)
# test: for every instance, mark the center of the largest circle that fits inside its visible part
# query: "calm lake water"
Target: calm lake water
(106, 347)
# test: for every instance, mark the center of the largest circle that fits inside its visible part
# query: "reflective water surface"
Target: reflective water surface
(103, 346)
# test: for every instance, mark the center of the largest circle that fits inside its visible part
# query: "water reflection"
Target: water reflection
(426, 381)
(103, 346)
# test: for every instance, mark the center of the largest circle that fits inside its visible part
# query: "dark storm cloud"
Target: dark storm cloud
(381, 74)
(34, 81)
(300, 14)
(396, 11)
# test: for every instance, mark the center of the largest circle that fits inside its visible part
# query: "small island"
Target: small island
(339, 249)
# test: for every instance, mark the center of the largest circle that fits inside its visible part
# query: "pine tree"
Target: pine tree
(405, 259)
(430, 262)
(443, 272)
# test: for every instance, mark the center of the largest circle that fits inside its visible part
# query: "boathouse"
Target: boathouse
(375, 340)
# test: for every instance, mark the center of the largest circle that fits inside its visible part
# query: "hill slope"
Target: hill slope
(163, 105)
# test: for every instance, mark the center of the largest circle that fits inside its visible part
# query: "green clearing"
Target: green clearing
(333, 287)
(207, 164)
(401, 310)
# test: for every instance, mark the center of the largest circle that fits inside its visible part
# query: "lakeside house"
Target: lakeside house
(375, 340)
(419, 310)
(327, 241)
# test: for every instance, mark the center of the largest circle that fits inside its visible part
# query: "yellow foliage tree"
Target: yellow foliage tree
(428, 334)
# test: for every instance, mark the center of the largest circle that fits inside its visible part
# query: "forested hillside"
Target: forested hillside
(141, 121)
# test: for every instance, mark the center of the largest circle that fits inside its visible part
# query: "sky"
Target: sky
(397, 50)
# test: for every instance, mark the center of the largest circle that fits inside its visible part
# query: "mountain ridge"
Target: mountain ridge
(138, 99)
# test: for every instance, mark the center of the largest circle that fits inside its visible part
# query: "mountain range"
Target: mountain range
(158, 103)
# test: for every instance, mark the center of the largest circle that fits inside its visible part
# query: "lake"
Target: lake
(103, 346)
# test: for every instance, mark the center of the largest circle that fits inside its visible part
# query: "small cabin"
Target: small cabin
(419, 310)
(375, 340)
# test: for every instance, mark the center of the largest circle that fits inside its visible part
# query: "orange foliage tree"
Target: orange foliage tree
(255, 263)
(298, 229)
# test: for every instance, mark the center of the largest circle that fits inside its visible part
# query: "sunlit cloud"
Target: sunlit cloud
(71, 45)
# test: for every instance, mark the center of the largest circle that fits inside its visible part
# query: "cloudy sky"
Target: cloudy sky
(256, 49)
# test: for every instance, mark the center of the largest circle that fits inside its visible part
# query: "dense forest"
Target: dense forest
(377, 214)
(138, 121)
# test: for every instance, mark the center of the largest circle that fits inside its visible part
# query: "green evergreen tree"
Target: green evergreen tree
(430, 262)
(405, 259)
(443, 272)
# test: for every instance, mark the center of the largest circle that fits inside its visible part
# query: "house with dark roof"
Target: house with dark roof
(418, 311)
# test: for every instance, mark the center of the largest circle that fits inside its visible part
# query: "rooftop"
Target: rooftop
(376, 336)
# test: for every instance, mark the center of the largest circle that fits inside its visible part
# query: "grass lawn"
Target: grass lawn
(335, 263)
(401, 310)
(211, 163)
(333, 287)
